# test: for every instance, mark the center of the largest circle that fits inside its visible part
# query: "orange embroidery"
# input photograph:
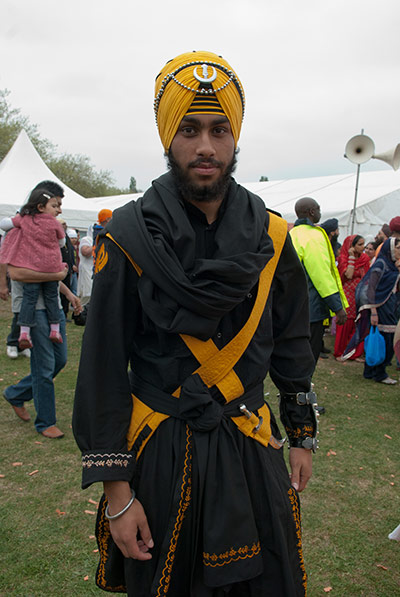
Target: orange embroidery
(186, 491)
(101, 259)
(103, 538)
(306, 431)
(231, 555)
(297, 521)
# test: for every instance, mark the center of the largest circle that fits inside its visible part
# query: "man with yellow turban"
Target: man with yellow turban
(193, 288)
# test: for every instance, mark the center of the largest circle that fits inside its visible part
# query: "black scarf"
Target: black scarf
(179, 292)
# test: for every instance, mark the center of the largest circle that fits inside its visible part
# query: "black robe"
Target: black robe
(201, 280)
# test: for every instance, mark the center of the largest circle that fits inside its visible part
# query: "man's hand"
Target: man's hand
(131, 531)
(301, 466)
(72, 298)
(76, 304)
(132, 534)
(341, 317)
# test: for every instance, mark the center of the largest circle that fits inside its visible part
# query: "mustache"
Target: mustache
(202, 161)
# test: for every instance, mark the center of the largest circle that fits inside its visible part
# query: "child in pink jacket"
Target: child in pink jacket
(33, 242)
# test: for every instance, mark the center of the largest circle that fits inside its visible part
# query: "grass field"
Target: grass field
(352, 502)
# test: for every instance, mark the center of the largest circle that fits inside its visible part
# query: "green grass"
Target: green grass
(348, 509)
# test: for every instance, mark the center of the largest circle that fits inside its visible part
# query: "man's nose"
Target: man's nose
(205, 145)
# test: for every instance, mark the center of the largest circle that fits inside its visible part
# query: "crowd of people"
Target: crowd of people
(353, 287)
(196, 291)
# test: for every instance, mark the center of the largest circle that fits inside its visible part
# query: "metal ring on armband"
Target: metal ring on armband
(128, 505)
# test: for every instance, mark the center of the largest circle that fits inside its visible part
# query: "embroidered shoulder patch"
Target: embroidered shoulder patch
(101, 259)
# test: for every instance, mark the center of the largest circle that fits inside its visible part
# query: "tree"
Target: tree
(263, 179)
(76, 171)
(11, 123)
(132, 185)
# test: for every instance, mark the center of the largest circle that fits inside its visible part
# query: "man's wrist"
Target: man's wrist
(307, 443)
(305, 435)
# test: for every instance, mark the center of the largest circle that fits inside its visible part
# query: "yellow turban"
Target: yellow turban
(188, 77)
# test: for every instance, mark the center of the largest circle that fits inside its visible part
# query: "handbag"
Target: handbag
(375, 347)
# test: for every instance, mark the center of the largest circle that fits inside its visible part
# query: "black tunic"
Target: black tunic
(122, 335)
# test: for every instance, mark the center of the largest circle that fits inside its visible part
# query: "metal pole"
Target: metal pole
(353, 217)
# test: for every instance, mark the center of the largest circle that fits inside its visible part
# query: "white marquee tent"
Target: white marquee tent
(378, 193)
(378, 199)
(22, 169)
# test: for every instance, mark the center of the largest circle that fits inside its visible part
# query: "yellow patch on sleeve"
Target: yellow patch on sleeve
(101, 259)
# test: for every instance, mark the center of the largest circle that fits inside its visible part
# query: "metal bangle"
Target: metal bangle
(128, 505)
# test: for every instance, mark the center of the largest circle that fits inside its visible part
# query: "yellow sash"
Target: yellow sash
(216, 366)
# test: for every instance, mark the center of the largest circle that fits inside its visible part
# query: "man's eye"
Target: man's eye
(188, 130)
(219, 130)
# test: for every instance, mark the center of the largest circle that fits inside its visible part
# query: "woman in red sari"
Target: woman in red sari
(353, 264)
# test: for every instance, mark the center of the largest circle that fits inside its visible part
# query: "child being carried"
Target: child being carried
(33, 241)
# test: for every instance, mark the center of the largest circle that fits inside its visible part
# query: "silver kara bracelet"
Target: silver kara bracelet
(128, 505)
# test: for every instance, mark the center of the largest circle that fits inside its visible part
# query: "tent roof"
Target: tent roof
(378, 198)
(22, 169)
(335, 193)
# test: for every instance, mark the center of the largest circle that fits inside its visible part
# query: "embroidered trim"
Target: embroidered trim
(386, 328)
(103, 538)
(297, 521)
(305, 431)
(186, 492)
(231, 555)
(102, 460)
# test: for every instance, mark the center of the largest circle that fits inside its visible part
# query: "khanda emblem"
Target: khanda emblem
(205, 78)
(101, 259)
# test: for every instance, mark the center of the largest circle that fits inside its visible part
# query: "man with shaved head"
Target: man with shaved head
(315, 253)
(308, 208)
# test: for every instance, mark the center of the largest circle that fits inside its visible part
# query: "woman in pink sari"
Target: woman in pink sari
(353, 264)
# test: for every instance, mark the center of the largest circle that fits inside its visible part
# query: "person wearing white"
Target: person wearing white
(85, 269)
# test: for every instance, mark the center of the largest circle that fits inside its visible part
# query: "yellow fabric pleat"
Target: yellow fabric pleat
(142, 416)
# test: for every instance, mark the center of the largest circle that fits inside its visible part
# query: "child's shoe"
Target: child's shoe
(24, 341)
(56, 337)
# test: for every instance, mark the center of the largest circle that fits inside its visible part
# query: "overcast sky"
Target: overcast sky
(314, 72)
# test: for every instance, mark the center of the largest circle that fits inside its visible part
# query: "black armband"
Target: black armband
(300, 419)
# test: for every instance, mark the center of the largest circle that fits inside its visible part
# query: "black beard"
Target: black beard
(204, 193)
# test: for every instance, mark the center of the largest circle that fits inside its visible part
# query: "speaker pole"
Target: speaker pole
(353, 215)
(360, 149)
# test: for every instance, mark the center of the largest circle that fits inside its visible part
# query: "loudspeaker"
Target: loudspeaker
(359, 149)
(391, 157)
